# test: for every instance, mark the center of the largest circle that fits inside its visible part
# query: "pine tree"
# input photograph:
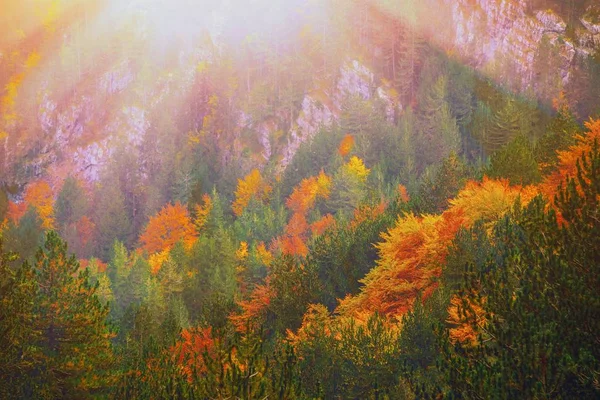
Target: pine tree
(57, 328)
(439, 134)
(516, 162)
(539, 289)
(71, 203)
(16, 316)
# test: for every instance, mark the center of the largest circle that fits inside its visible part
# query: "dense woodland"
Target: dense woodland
(438, 241)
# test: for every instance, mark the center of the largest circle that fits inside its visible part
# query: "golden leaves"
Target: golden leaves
(356, 168)
(202, 211)
(39, 195)
(467, 317)
(252, 186)
(242, 252)
(489, 200)
(157, 260)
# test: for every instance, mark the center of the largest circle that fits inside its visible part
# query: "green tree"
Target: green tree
(16, 317)
(111, 219)
(560, 134)
(439, 134)
(539, 289)
(441, 183)
(516, 162)
(66, 351)
(25, 236)
(71, 203)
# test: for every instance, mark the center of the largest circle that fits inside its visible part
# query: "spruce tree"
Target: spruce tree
(73, 355)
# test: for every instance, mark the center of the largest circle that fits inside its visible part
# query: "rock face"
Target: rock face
(489, 33)
(322, 108)
(499, 37)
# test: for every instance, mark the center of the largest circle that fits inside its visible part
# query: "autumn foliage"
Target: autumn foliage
(568, 160)
(321, 226)
(346, 145)
(171, 225)
(191, 349)
(252, 186)
(253, 311)
(414, 250)
(466, 318)
(300, 202)
(357, 169)
(304, 196)
(38, 195)
(202, 211)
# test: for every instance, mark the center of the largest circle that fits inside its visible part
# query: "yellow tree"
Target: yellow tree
(252, 186)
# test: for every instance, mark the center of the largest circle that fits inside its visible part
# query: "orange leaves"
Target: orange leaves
(366, 212)
(467, 317)
(293, 241)
(190, 349)
(301, 200)
(410, 257)
(171, 225)
(403, 194)
(202, 211)
(321, 226)
(16, 211)
(297, 225)
(85, 229)
(346, 145)
(293, 245)
(39, 196)
(254, 309)
(304, 196)
(568, 160)
(413, 251)
(252, 186)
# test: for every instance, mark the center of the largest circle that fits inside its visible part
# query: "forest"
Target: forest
(307, 199)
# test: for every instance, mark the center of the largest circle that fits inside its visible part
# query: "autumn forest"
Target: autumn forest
(304, 199)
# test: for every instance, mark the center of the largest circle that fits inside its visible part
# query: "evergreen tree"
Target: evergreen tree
(25, 236)
(16, 317)
(439, 134)
(515, 162)
(539, 286)
(112, 221)
(560, 134)
(71, 203)
(63, 340)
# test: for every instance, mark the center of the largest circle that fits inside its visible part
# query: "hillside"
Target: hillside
(299, 199)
